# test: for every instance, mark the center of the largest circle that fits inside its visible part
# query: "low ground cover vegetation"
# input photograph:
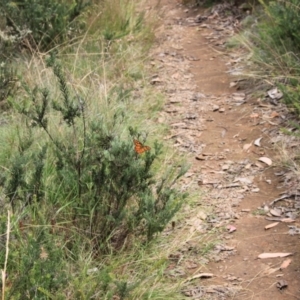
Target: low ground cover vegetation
(81, 189)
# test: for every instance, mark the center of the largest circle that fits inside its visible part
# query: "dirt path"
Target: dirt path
(217, 126)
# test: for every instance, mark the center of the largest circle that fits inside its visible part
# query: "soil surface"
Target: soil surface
(227, 132)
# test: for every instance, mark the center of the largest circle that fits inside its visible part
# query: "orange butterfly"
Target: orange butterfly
(139, 148)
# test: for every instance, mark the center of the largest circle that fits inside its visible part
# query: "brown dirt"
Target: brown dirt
(192, 71)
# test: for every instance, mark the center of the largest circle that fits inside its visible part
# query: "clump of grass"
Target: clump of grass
(272, 41)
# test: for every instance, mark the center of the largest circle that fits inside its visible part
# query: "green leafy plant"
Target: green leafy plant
(35, 266)
(113, 191)
(42, 23)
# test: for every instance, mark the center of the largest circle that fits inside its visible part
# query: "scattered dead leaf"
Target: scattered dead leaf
(275, 94)
(216, 107)
(155, 80)
(271, 225)
(285, 263)
(287, 220)
(201, 275)
(231, 228)
(257, 142)
(266, 160)
(200, 157)
(276, 212)
(273, 255)
(238, 96)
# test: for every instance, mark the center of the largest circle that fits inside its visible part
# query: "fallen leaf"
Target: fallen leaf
(200, 157)
(216, 107)
(231, 228)
(201, 275)
(155, 80)
(225, 167)
(285, 263)
(276, 212)
(273, 255)
(287, 220)
(248, 166)
(275, 94)
(238, 96)
(257, 142)
(266, 160)
(271, 225)
(228, 186)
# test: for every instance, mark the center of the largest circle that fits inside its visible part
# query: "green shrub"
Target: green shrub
(283, 27)
(42, 23)
(107, 190)
(291, 97)
(36, 266)
(7, 81)
(276, 37)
